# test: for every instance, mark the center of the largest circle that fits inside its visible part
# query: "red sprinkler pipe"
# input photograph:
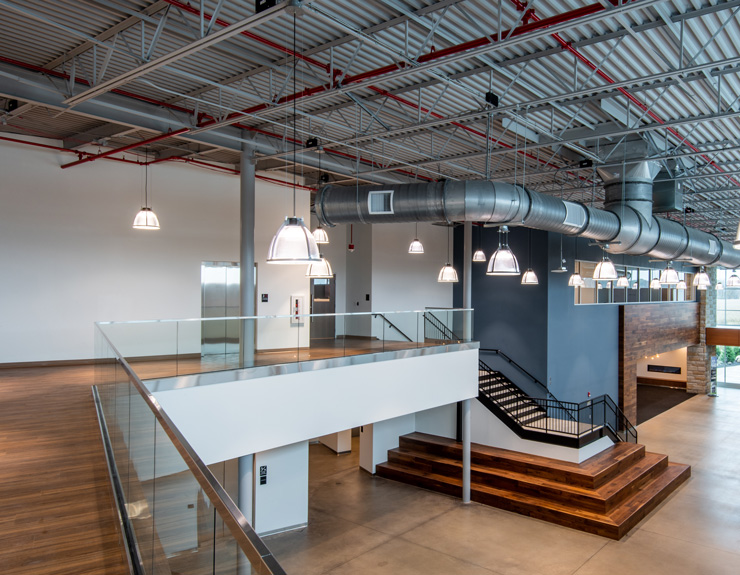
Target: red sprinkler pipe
(126, 148)
(521, 6)
(431, 56)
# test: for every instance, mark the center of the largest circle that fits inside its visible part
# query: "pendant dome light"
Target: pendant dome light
(293, 243)
(416, 247)
(655, 283)
(702, 278)
(681, 285)
(320, 269)
(575, 279)
(623, 282)
(720, 287)
(605, 269)
(146, 219)
(479, 255)
(732, 281)
(320, 235)
(447, 274)
(503, 261)
(529, 278)
(669, 275)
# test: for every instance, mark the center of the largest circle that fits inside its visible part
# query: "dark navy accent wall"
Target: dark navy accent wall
(574, 349)
(508, 315)
(583, 340)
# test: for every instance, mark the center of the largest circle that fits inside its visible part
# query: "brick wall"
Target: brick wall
(649, 329)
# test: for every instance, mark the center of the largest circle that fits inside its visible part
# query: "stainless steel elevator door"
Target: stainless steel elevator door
(219, 298)
(322, 301)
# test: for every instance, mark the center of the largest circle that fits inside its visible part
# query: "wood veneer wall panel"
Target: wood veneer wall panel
(648, 329)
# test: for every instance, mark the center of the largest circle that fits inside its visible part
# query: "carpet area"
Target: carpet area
(653, 400)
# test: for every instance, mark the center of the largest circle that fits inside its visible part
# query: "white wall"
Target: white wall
(487, 429)
(282, 502)
(70, 256)
(376, 439)
(403, 281)
(675, 358)
(229, 420)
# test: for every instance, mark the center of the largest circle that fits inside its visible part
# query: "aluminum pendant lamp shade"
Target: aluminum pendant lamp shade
(146, 219)
(655, 283)
(623, 282)
(447, 274)
(669, 275)
(503, 262)
(320, 235)
(576, 280)
(605, 270)
(529, 278)
(702, 278)
(479, 256)
(293, 244)
(416, 247)
(733, 281)
(720, 287)
(321, 269)
(681, 285)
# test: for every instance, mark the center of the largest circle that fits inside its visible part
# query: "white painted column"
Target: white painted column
(466, 417)
(468, 279)
(246, 258)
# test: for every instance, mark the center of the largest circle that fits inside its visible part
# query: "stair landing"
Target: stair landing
(607, 494)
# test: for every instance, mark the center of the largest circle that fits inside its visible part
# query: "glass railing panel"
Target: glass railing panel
(183, 513)
(168, 348)
(139, 489)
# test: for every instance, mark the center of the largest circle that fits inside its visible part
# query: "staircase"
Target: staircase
(607, 494)
(547, 419)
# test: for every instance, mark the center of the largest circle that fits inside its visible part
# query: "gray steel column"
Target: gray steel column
(246, 504)
(467, 278)
(466, 451)
(246, 258)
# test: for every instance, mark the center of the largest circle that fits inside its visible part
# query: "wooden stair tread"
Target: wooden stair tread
(591, 473)
(602, 498)
(652, 494)
(607, 494)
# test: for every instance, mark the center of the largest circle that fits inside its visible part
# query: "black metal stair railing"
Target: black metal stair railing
(434, 328)
(549, 419)
(393, 326)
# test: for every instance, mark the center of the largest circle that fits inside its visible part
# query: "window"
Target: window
(638, 290)
(380, 202)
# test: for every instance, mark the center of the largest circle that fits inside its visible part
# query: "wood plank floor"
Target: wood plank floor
(56, 513)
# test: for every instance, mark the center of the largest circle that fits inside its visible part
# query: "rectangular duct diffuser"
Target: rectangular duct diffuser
(667, 196)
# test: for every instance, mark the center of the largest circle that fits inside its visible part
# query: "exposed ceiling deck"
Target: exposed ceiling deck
(393, 90)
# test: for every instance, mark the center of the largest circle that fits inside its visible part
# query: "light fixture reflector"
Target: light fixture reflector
(293, 244)
(447, 274)
(146, 219)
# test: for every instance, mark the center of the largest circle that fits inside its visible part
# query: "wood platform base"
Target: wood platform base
(607, 494)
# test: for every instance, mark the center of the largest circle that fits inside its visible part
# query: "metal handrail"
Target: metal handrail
(245, 536)
(393, 325)
(524, 371)
(564, 417)
(437, 324)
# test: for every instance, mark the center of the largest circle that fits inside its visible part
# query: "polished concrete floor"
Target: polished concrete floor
(363, 525)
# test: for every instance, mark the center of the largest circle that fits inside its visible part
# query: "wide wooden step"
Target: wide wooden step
(592, 473)
(607, 494)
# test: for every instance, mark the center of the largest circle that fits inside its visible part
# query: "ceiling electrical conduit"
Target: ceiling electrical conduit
(627, 223)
